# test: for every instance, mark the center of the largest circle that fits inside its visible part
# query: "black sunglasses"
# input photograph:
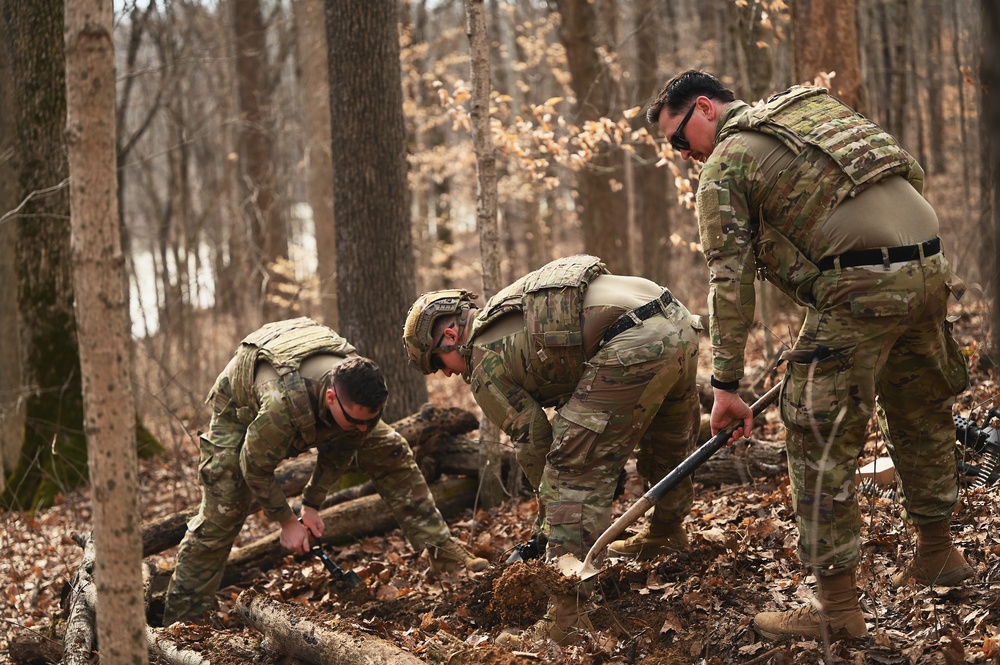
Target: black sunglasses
(677, 139)
(371, 422)
(437, 364)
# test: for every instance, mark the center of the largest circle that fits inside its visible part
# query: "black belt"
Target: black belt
(875, 256)
(633, 317)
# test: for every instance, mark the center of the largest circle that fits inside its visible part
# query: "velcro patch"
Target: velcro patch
(709, 220)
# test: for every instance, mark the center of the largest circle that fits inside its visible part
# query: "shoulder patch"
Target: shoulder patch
(709, 219)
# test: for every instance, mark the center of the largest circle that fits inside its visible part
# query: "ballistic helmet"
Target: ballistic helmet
(418, 331)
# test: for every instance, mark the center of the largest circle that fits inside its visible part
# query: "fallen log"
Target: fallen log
(289, 630)
(167, 650)
(741, 463)
(81, 626)
(436, 434)
(344, 524)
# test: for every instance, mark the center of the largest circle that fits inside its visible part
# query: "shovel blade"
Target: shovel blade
(570, 566)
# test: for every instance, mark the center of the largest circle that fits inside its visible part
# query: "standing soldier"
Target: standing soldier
(824, 204)
(616, 355)
(291, 386)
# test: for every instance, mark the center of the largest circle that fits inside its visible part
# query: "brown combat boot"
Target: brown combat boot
(838, 614)
(657, 538)
(938, 561)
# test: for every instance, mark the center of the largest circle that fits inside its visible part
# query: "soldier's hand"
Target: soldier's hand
(311, 520)
(294, 536)
(727, 409)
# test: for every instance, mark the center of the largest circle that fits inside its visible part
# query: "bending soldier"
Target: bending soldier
(617, 356)
(291, 386)
(825, 205)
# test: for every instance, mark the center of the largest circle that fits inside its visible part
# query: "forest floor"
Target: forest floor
(690, 607)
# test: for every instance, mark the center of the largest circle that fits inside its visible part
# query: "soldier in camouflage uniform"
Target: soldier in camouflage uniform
(811, 196)
(617, 357)
(295, 385)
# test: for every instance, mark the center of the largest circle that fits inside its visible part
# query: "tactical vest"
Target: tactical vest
(860, 152)
(551, 300)
(284, 345)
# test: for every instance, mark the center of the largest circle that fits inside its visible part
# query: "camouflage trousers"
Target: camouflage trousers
(637, 393)
(225, 503)
(875, 337)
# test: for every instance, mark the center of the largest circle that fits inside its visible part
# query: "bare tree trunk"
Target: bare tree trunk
(991, 187)
(375, 262)
(486, 220)
(599, 194)
(826, 40)
(314, 73)
(292, 634)
(98, 272)
(267, 236)
(53, 456)
(11, 390)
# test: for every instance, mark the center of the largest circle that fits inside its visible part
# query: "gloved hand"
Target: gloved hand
(447, 556)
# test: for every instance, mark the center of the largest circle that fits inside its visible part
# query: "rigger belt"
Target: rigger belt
(634, 317)
(880, 255)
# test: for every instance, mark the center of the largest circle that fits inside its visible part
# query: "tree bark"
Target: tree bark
(267, 239)
(53, 456)
(314, 75)
(166, 650)
(600, 200)
(375, 262)
(80, 637)
(294, 635)
(11, 406)
(98, 272)
(826, 40)
(491, 484)
(991, 162)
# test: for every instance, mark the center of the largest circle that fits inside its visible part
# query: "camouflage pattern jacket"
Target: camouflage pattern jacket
(267, 418)
(751, 225)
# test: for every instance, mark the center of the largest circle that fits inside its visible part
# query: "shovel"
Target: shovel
(350, 578)
(569, 565)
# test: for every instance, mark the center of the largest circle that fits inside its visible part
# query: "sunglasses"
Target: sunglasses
(437, 364)
(677, 139)
(371, 422)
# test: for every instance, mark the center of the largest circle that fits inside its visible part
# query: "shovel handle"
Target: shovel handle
(672, 479)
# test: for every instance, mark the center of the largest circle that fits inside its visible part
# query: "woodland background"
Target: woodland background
(278, 158)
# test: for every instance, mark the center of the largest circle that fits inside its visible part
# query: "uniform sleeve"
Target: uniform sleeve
(511, 408)
(724, 224)
(267, 442)
(328, 469)
(385, 456)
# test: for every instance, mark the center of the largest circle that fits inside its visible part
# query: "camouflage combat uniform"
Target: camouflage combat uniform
(264, 410)
(538, 343)
(793, 188)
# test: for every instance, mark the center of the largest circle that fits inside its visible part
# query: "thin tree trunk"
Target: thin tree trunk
(98, 272)
(314, 73)
(486, 220)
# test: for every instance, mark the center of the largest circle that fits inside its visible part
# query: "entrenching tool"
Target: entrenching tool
(349, 577)
(570, 565)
